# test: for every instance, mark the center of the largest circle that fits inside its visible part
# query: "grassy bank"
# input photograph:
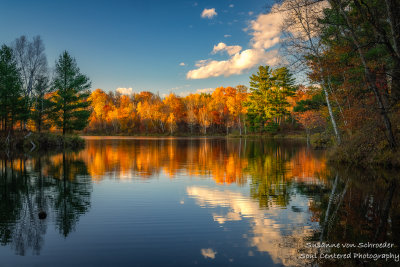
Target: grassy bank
(363, 155)
(294, 136)
(40, 141)
(365, 148)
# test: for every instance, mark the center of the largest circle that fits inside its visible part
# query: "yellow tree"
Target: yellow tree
(171, 122)
(204, 118)
(98, 99)
(191, 103)
(235, 101)
(112, 118)
(144, 111)
(218, 107)
(159, 115)
(175, 105)
(126, 113)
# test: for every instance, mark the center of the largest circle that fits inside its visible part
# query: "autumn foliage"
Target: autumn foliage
(148, 113)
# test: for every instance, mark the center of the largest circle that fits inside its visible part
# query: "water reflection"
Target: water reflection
(282, 194)
(57, 186)
(20, 196)
(361, 207)
(279, 233)
(224, 161)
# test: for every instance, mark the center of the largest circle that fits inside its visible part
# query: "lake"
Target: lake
(194, 202)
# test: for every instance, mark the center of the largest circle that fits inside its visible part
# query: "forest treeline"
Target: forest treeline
(32, 99)
(348, 50)
(223, 111)
(351, 50)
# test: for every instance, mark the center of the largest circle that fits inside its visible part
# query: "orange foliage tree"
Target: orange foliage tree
(146, 112)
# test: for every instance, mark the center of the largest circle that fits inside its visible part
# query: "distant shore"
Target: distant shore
(292, 135)
(29, 141)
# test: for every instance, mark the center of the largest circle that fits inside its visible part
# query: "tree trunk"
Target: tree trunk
(64, 116)
(315, 50)
(328, 209)
(336, 100)
(328, 103)
(335, 128)
(381, 229)
(240, 126)
(371, 84)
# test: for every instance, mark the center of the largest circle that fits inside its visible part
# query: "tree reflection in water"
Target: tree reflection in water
(293, 196)
(362, 207)
(62, 189)
(73, 190)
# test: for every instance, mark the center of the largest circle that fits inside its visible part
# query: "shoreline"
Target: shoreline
(25, 142)
(29, 142)
(292, 135)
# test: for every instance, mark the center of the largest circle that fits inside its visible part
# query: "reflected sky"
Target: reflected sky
(278, 232)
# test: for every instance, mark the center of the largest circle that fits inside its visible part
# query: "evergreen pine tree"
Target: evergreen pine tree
(10, 89)
(267, 102)
(42, 106)
(259, 84)
(71, 91)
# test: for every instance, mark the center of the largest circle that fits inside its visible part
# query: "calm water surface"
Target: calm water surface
(184, 202)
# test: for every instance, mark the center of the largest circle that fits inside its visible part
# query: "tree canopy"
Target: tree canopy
(71, 90)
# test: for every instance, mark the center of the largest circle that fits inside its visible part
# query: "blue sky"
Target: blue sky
(141, 44)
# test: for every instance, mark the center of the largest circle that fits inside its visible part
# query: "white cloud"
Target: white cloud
(265, 32)
(202, 62)
(124, 91)
(230, 216)
(227, 35)
(251, 13)
(235, 65)
(296, 25)
(231, 5)
(209, 13)
(231, 50)
(182, 64)
(265, 234)
(208, 253)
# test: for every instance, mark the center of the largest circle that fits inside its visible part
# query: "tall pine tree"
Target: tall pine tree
(71, 91)
(259, 84)
(267, 103)
(10, 89)
(283, 87)
(42, 105)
